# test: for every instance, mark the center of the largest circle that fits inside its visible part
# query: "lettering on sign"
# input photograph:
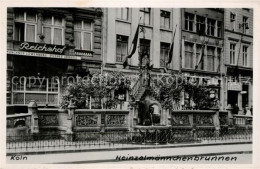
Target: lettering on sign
(41, 47)
(87, 120)
(116, 120)
(83, 53)
(47, 55)
(234, 86)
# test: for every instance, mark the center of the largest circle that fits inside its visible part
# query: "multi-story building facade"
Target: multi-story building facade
(43, 43)
(196, 29)
(202, 29)
(209, 43)
(156, 34)
(159, 26)
(239, 57)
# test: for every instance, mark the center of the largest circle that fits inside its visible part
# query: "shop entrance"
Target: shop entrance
(245, 96)
(232, 97)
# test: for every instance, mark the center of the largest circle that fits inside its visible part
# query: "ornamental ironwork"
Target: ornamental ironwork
(48, 120)
(180, 120)
(204, 120)
(86, 120)
(116, 120)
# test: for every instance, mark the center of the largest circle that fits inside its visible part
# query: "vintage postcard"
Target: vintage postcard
(130, 84)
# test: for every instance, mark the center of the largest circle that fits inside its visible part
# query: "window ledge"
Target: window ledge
(203, 35)
(239, 66)
(124, 21)
(240, 33)
(119, 63)
(165, 29)
(148, 26)
(200, 71)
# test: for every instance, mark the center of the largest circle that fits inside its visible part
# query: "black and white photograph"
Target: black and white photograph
(129, 85)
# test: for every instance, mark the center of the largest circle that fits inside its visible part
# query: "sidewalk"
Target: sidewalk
(68, 147)
(161, 151)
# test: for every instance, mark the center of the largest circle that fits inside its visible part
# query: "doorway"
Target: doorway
(232, 98)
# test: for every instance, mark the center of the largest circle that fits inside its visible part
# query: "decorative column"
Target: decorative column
(10, 67)
(183, 51)
(239, 103)
(250, 95)
(216, 122)
(32, 109)
(70, 119)
(131, 118)
(205, 59)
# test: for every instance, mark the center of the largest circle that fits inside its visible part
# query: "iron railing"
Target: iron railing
(85, 140)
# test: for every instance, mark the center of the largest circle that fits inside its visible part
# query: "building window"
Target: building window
(210, 58)
(145, 50)
(122, 13)
(189, 21)
(25, 26)
(53, 30)
(245, 25)
(233, 21)
(245, 54)
(211, 27)
(200, 24)
(188, 62)
(164, 53)
(232, 54)
(219, 51)
(198, 57)
(43, 91)
(165, 19)
(83, 35)
(121, 47)
(145, 16)
(219, 29)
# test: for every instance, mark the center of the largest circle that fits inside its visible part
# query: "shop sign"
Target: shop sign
(234, 86)
(203, 80)
(45, 48)
(244, 92)
(212, 81)
(46, 55)
(84, 53)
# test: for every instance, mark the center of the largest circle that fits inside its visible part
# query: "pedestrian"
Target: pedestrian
(247, 111)
(251, 109)
(235, 109)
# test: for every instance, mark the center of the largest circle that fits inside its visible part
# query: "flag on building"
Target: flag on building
(201, 56)
(201, 29)
(171, 51)
(134, 46)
